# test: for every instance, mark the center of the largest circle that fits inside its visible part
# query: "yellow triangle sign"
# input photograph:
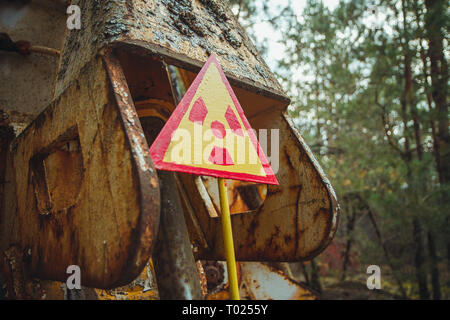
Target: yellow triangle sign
(208, 133)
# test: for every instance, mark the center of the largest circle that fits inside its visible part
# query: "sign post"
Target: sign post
(208, 134)
(228, 240)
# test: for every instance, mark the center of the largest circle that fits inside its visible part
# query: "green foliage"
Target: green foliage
(345, 71)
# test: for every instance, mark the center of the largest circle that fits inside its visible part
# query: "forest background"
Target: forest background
(368, 82)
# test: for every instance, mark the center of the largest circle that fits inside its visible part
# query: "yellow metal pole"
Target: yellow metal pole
(228, 240)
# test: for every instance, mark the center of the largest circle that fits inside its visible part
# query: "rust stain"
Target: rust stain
(304, 206)
(102, 211)
(149, 194)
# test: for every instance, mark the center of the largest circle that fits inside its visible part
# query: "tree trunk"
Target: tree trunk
(409, 103)
(437, 158)
(434, 22)
(434, 267)
(419, 260)
(386, 254)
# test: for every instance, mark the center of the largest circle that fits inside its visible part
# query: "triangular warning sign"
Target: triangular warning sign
(208, 133)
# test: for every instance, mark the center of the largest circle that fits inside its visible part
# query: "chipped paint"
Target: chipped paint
(110, 238)
(190, 28)
(257, 281)
(296, 221)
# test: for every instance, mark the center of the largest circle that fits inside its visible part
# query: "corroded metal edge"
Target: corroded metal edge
(188, 28)
(334, 205)
(189, 64)
(149, 197)
(144, 234)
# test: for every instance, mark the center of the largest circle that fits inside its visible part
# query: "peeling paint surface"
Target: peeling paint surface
(82, 191)
(106, 219)
(189, 28)
(257, 281)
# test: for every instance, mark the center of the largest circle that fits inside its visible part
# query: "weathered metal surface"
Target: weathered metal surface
(142, 288)
(17, 121)
(217, 279)
(215, 275)
(297, 219)
(6, 136)
(186, 31)
(263, 282)
(257, 281)
(175, 268)
(92, 128)
(82, 188)
(27, 82)
(243, 197)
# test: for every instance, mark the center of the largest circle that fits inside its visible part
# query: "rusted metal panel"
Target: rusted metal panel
(243, 197)
(105, 216)
(175, 268)
(184, 31)
(174, 264)
(257, 281)
(82, 185)
(297, 219)
(142, 288)
(263, 282)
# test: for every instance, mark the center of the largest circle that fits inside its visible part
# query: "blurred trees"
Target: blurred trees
(368, 80)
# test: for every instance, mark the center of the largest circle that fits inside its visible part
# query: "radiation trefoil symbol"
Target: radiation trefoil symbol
(208, 133)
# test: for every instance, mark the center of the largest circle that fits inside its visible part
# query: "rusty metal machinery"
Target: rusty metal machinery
(77, 180)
